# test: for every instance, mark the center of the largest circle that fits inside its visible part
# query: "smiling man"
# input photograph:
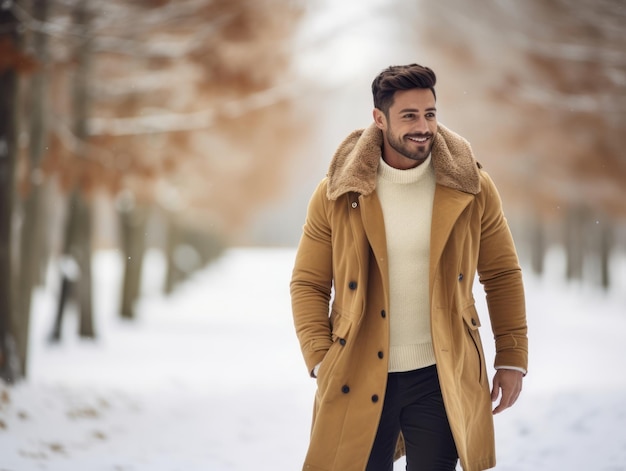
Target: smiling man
(382, 293)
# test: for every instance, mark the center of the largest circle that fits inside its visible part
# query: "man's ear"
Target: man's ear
(380, 119)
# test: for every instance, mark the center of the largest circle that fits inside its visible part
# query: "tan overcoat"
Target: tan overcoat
(340, 300)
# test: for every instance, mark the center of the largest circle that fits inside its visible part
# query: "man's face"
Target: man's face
(409, 128)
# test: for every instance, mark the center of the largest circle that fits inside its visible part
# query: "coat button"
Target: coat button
(375, 398)
(474, 323)
(354, 204)
(381, 355)
(460, 276)
(352, 285)
(383, 314)
(345, 389)
(343, 341)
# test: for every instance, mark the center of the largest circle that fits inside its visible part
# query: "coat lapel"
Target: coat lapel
(372, 217)
(447, 207)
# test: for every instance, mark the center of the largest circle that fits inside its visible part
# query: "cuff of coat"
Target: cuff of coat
(512, 350)
(516, 368)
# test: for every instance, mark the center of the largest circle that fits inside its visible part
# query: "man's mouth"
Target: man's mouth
(418, 139)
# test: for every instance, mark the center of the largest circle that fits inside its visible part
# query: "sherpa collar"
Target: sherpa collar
(355, 163)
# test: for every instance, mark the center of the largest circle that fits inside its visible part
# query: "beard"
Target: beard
(410, 149)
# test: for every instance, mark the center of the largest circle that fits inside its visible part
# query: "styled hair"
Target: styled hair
(400, 77)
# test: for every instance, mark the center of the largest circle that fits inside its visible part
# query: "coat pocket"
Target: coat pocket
(474, 347)
(340, 326)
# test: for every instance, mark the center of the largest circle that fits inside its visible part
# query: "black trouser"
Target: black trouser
(413, 405)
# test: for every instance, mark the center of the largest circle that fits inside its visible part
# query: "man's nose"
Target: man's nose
(421, 125)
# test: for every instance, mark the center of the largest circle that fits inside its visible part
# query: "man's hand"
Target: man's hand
(510, 383)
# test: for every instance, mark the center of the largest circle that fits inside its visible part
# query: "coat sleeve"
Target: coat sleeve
(311, 281)
(501, 276)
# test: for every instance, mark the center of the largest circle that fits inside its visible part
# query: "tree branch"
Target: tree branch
(177, 122)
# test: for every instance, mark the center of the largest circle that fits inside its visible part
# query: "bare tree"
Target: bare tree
(8, 154)
(77, 241)
(13, 62)
(31, 189)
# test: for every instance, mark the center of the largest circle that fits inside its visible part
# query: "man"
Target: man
(382, 293)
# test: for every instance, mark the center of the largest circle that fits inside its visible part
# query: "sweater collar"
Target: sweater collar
(354, 166)
(404, 177)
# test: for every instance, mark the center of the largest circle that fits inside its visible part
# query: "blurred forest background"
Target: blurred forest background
(190, 126)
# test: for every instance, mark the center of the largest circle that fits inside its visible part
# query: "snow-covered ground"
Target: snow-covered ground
(212, 379)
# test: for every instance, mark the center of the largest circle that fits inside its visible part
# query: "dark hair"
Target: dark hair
(400, 77)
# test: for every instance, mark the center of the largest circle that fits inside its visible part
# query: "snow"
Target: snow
(211, 378)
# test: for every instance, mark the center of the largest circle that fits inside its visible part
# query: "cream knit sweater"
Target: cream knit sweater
(406, 197)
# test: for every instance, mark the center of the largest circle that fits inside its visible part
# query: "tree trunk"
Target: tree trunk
(537, 246)
(78, 230)
(133, 225)
(75, 266)
(9, 360)
(83, 211)
(63, 300)
(83, 256)
(172, 274)
(31, 237)
(574, 243)
(604, 253)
